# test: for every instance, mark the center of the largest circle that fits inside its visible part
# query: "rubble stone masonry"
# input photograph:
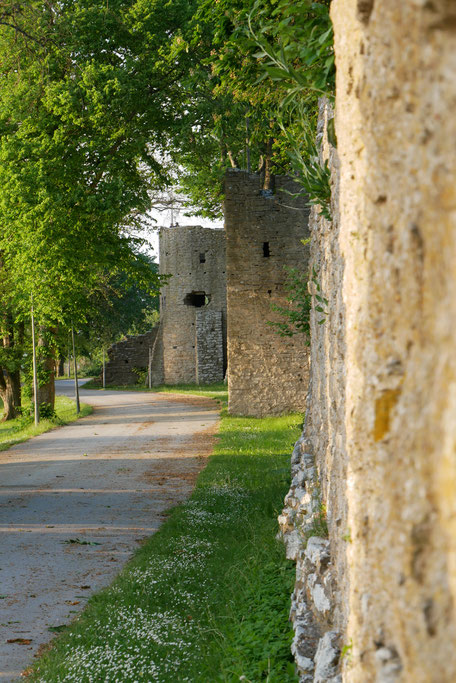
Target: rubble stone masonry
(378, 453)
(209, 346)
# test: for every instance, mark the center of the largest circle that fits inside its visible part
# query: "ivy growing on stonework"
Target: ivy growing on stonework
(296, 318)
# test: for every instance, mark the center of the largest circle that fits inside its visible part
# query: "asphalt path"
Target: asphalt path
(107, 479)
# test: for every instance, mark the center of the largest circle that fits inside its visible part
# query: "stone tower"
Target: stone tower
(192, 343)
(267, 374)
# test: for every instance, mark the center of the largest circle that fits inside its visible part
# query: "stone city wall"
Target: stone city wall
(377, 456)
(267, 374)
(317, 495)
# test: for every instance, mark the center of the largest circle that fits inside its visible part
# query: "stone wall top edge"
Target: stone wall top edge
(134, 337)
(188, 228)
(241, 186)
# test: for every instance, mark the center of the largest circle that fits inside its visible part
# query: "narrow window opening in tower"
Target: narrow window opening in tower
(266, 251)
(197, 299)
(202, 258)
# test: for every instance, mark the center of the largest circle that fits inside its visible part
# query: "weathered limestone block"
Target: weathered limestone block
(327, 659)
(306, 637)
(317, 552)
(293, 544)
(388, 665)
(321, 602)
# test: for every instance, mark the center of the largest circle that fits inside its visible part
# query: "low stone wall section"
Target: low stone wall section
(127, 355)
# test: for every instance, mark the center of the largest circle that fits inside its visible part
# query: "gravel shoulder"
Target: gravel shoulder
(77, 501)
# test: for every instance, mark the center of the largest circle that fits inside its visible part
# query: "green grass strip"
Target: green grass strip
(217, 390)
(23, 428)
(207, 597)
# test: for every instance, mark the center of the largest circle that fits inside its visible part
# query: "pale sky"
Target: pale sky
(163, 220)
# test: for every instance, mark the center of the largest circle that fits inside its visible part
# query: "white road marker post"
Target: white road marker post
(69, 357)
(76, 386)
(35, 373)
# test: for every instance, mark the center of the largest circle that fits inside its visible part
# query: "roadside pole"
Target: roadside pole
(149, 369)
(76, 386)
(35, 374)
(104, 368)
(69, 357)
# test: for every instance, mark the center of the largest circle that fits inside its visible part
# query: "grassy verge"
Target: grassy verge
(22, 428)
(207, 597)
(217, 390)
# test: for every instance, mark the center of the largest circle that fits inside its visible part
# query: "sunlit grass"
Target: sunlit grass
(218, 390)
(207, 597)
(23, 428)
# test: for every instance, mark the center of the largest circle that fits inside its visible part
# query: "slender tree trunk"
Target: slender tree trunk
(268, 182)
(233, 160)
(10, 391)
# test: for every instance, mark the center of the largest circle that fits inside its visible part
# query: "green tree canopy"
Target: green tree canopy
(258, 71)
(88, 90)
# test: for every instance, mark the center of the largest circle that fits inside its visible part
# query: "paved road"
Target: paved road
(108, 478)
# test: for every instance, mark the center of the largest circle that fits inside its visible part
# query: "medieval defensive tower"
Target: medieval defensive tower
(267, 373)
(193, 305)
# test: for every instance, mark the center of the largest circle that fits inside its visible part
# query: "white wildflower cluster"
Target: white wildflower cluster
(233, 501)
(142, 641)
(126, 657)
(198, 517)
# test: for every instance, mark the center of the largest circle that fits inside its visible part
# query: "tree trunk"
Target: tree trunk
(233, 160)
(10, 393)
(268, 182)
(46, 391)
(10, 380)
